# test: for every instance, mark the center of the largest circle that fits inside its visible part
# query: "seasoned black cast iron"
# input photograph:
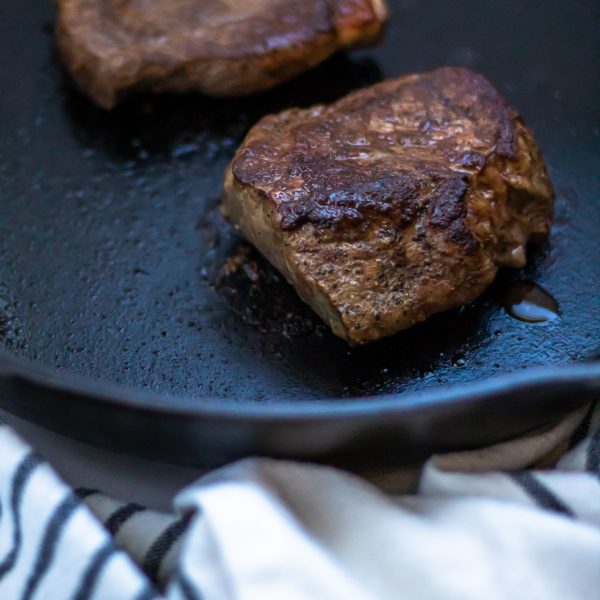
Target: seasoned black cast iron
(112, 255)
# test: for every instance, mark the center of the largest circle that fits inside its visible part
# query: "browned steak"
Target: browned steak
(393, 203)
(220, 47)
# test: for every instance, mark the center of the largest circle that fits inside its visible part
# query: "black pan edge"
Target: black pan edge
(579, 375)
(393, 429)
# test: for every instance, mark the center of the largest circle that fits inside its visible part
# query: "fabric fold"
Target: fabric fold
(468, 525)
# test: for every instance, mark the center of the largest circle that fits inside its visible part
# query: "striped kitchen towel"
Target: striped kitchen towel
(477, 525)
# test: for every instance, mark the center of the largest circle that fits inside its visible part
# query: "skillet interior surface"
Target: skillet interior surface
(115, 263)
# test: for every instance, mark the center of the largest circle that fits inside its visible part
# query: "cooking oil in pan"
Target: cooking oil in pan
(530, 302)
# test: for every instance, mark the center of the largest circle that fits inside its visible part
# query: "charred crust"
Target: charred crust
(448, 213)
(506, 146)
(472, 160)
(339, 192)
(393, 149)
(449, 205)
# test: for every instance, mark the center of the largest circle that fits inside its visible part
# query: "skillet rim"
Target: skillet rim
(584, 376)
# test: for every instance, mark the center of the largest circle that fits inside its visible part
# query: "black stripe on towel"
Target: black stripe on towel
(48, 547)
(582, 430)
(147, 594)
(121, 516)
(161, 546)
(84, 492)
(593, 454)
(187, 589)
(542, 495)
(113, 524)
(93, 570)
(20, 478)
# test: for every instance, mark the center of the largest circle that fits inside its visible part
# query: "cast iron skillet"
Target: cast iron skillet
(120, 325)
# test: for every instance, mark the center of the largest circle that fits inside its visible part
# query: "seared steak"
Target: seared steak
(220, 47)
(393, 203)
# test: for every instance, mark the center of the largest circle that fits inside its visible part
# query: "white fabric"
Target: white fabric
(273, 530)
(25, 523)
(262, 529)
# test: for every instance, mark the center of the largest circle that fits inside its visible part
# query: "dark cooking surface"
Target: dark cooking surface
(111, 243)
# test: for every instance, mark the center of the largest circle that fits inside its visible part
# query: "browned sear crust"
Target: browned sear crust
(396, 202)
(220, 47)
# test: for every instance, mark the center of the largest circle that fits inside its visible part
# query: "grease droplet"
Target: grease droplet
(531, 303)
